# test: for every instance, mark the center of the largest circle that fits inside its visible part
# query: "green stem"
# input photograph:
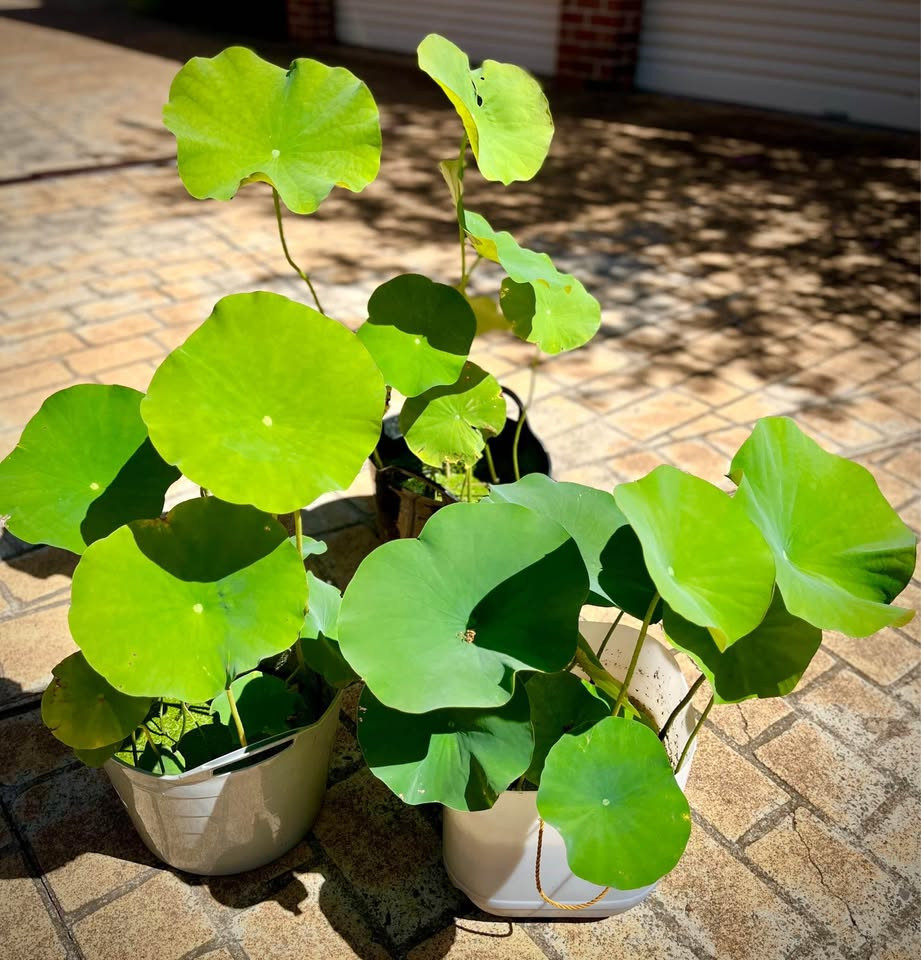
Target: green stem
(232, 700)
(493, 476)
(284, 247)
(694, 733)
(186, 717)
(685, 700)
(636, 654)
(468, 479)
(298, 536)
(459, 210)
(523, 415)
(202, 492)
(154, 747)
(376, 457)
(609, 634)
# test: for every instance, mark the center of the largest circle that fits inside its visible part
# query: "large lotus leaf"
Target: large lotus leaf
(266, 706)
(268, 402)
(83, 466)
(561, 704)
(842, 553)
(238, 119)
(589, 516)
(178, 607)
(706, 558)
(418, 332)
(446, 620)
(461, 758)
(448, 423)
(611, 793)
(319, 643)
(504, 111)
(549, 308)
(768, 662)
(85, 711)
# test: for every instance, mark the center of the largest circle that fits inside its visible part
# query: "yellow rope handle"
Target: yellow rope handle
(540, 890)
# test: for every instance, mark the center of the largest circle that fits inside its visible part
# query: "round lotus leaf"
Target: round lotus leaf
(611, 793)
(83, 467)
(266, 705)
(461, 758)
(706, 558)
(98, 757)
(549, 308)
(768, 662)
(418, 332)
(268, 402)
(842, 553)
(447, 620)
(561, 704)
(177, 607)
(238, 119)
(319, 643)
(503, 109)
(84, 711)
(448, 423)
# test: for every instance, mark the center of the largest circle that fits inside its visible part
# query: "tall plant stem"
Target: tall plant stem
(609, 634)
(694, 733)
(284, 247)
(636, 655)
(493, 476)
(376, 457)
(232, 700)
(468, 482)
(299, 534)
(685, 700)
(459, 210)
(523, 415)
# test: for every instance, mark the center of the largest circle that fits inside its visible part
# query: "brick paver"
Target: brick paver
(746, 264)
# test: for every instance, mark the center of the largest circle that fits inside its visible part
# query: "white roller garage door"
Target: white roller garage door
(850, 58)
(518, 31)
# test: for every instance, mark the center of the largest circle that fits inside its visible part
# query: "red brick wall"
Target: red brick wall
(311, 21)
(598, 41)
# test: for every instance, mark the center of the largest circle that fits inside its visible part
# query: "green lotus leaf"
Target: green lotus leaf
(842, 553)
(206, 742)
(487, 313)
(83, 467)
(319, 643)
(267, 706)
(418, 332)
(238, 119)
(453, 178)
(561, 704)
(309, 546)
(549, 308)
(178, 607)
(461, 758)
(768, 662)
(98, 757)
(84, 711)
(504, 111)
(706, 558)
(446, 620)
(268, 402)
(448, 423)
(611, 793)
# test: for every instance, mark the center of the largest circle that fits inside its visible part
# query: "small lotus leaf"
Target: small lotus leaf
(549, 308)
(461, 758)
(448, 423)
(768, 662)
(842, 553)
(504, 111)
(177, 607)
(446, 620)
(418, 332)
(706, 558)
(265, 704)
(98, 757)
(319, 643)
(561, 704)
(487, 313)
(238, 119)
(268, 402)
(83, 466)
(611, 793)
(84, 711)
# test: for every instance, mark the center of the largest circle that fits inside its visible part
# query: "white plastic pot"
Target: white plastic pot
(217, 820)
(491, 855)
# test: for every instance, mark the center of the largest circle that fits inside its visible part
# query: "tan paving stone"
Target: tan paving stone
(49, 373)
(659, 414)
(194, 311)
(632, 466)
(819, 664)
(834, 778)
(136, 280)
(17, 411)
(613, 392)
(93, 360)
(820, 869)
(896, 839)
(130, 325)
(160, 920)
(30, 645)
(699, 458)
(27, 749)
(726, 908)
(26, 930)
(909, 691)
(477, 939)
(726, 789)
(38, 573)
(136, 375)
(835, 428)
(35, 326)
(28, 353)
(884, 657)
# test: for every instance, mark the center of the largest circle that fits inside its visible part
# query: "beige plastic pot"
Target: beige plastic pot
(237, 812)
(491, 855)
